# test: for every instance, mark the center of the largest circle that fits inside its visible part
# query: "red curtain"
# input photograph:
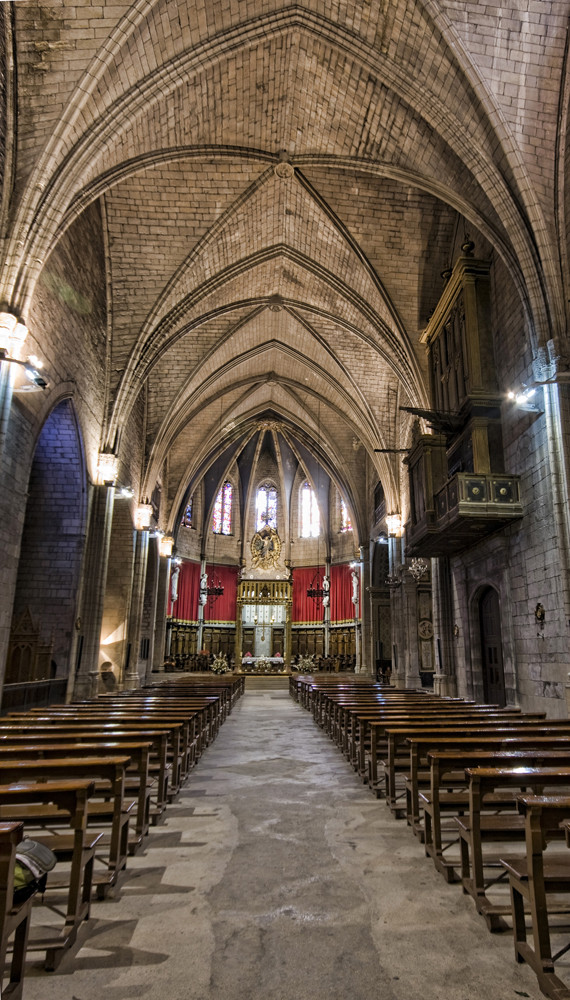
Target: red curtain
(224, 608)
(342, 608)
(305, 609)
(185, 609)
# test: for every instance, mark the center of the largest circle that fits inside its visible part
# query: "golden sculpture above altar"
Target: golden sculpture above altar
(265, 548)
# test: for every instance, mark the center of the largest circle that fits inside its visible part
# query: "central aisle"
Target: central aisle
(277, 876)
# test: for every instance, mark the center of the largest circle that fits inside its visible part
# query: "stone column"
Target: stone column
(200, 639)
(327, 606)
(153, 595)
(160, 650)
(367, 665)
(130, 669)
(83, 682)
(412, 656)
(444, 681)
(397, 615)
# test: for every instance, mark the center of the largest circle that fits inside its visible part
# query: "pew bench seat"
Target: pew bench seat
(14, 919)
(534, 877)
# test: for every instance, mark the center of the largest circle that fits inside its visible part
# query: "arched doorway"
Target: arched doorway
(45, 603)
(491, 647)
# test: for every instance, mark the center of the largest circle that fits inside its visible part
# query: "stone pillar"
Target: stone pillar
(153, 603)
(367, 665)
(412, 653)
(200, 639)
(445, 680)
(160, 639)
(83, 682)
(327, 606)
(239, 627)
(397, 616)
(131, 678)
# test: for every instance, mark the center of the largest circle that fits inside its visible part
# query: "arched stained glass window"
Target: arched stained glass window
(310, 518)
(187, 516)
(222, 519)
(266, 507)
(345, 522)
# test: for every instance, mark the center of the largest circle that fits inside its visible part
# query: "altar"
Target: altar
(264, 664)
(274, 660)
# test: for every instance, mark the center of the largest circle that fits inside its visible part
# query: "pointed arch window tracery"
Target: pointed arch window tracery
(309, 509)
(222, 516)
(266, 507)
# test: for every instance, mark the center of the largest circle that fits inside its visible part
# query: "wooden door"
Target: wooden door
(492, 648)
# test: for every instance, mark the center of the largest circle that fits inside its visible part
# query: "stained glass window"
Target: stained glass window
(310, 519)
(222, 519)
(345, 522)
(187, 516)
(266, 507)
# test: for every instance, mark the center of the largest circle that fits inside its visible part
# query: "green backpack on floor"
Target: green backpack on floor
(33, 862)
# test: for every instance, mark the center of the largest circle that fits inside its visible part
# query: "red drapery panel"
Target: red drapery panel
(342, 608)
(185, 609)
(305, 609)
(224, 608)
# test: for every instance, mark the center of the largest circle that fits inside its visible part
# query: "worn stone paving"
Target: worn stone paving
(277, 876)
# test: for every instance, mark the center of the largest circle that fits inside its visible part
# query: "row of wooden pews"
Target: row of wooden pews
(485, 789)
(89, 779)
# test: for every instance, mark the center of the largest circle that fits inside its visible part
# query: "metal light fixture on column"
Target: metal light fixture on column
(107, 468)
(12, 336)
(165, 546)
(143, 514)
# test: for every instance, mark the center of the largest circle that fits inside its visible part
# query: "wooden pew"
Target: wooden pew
(14, 919)
(70, 799)
(19, 746)
(111, 771)
(465, 748)
(531, 878)
(397, 749)
(483, 825)
(455, 801)
(158, 735)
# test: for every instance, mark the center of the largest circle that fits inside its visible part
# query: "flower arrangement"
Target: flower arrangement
(220, 664)
(263, 665)
(306, 664)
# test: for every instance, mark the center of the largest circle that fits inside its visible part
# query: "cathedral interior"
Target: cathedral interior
(284, 358)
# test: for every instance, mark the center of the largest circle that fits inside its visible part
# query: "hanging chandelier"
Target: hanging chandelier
(214, 589)
(316, 592)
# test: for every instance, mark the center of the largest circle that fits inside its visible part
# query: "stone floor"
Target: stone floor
(277, 876)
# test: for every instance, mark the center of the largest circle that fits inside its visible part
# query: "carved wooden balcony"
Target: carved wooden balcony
(466, 509)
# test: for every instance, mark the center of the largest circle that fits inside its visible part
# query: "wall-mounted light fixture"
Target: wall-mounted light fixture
(107, 468)
(394, 525)
(525, 398)
(31, 366)
(12, 336)
(143, 514)
(165, 546)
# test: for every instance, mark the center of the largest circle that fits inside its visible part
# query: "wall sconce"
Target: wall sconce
(12, 335)
(394, 525)
(524, 398)
(165, 546)
(143, 514)
(32, 369)
(107, 468)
